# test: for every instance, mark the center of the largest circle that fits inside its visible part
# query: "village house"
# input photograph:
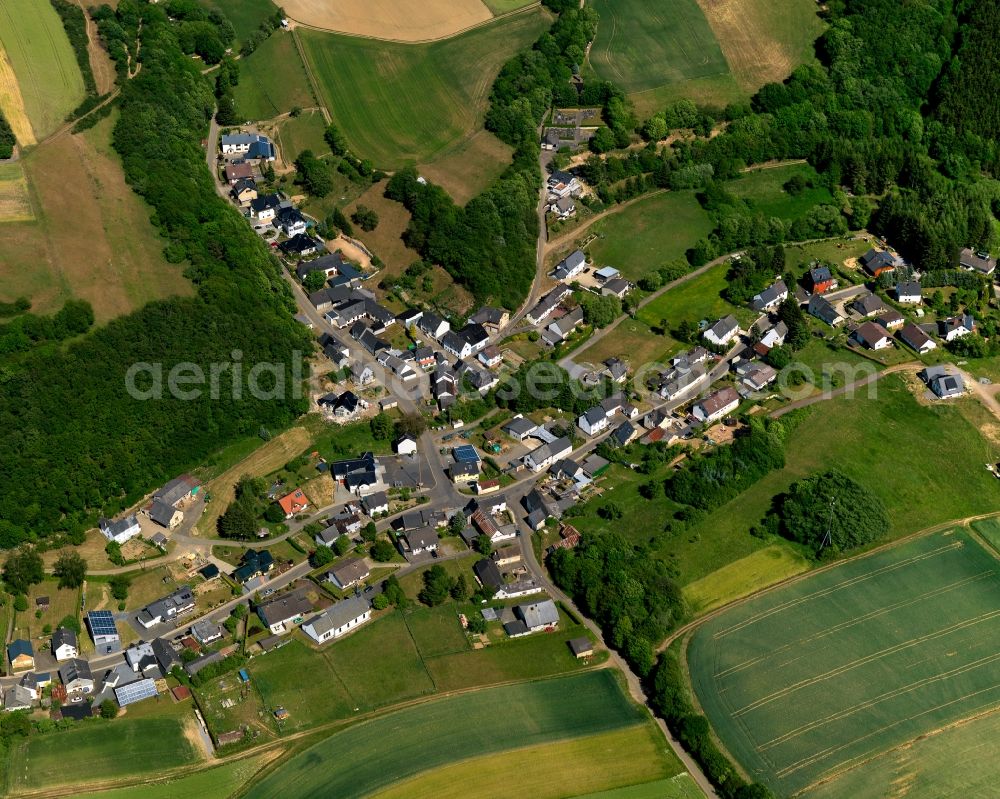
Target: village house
(164, 508)
(338, 619)
(120, 531)
(872, 336)
(488, 575)
(723, 331)
(76, 676)
(236, 171)
(823, 309)
(877, 262)
(979, 261)
(493, 319)
(562, 184)
(759, 376)
(547, 304)
(956, 326)
(20, 655)
(265, 207)
(416, 542)
(254, 563)
(290, 220)
(168, 608)
(563, 208)
(490, 357)
(821, 280)
(299, 245)
(771, 297)
(281, 614)
(616, 287)
(716, 405)
(432, 325)
(532, 618)
(868, 305)
(294, 503)
(917, 339)
(908, 292)
(570, 266)
(943, 381)
(348, 573)
(891, 319)
(243, 191)
(548, 453)
(64, 644)
(103, 631)
(377, 503)
(251, 145)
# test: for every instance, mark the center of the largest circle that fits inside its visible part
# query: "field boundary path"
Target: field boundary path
(313, 83)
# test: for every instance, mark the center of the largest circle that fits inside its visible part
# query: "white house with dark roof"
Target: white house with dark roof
(771, 297)
(544, 456)
(977, 261)
(917, 339)
(121, 530)
(943, 381)
(338, 619)
(570, 266)
(908, 292)
(716, 405)
(723, 331)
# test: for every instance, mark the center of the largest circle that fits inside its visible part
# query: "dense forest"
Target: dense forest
(74, 441)
(7, 140)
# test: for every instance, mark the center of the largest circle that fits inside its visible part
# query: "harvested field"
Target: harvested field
(15, 204)
(399, 104)
(396, 20)
(469, 168)
(386, 240)
(43, 62)
(763, 41)
(12, 102)
(267, 458)
(79, 193)
(825, 674)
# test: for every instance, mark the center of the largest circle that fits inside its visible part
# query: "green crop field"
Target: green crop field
(678, 787)
(221, 781)
(246, 15)
(373, 755)
(645, 235)
(553, 770)
(642, 45)
(763, 189)
(43, 62)
(989, 529)
(125, 747)
(958, 761)
(866, 657)
(273, 80)
(407, 103)
(499, 7)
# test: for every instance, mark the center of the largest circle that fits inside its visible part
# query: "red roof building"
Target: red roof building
(294, 503)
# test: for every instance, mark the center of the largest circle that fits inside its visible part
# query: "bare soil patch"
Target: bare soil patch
(396, 20)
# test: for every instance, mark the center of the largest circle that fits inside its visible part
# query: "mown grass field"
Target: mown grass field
(470, 166)
(680, 786)
(468, 725)
(550, 771)
(43, 62)
(127, 747)
(399, 103)
(304, 132)
(273, 80)
(644, 236)
(763, 189)
(958, 761)
(865, 657)
(698, 299)
(91, 239)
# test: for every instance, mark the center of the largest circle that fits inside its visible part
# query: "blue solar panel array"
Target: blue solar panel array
(135, 692)
(102, 622)
(466, 453)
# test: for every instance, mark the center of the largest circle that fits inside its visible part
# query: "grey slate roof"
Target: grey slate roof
(339, 614)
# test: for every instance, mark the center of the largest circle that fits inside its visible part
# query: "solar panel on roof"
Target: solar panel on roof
(466, 453)
(102, 622)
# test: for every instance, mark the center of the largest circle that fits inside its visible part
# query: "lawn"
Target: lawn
(647, 234)
(43, 61)
(957, 761)
(105, 751)
(380, 664)
(246, 15)
(149, 585)
(764, 190)
(436, 631)
(835, 251)
(79, 194)
(698, 299)
(831, 671)
(304, 132)
(400, 103)
(634, 341)
(550, 771)
(223, 780)
(63, 602)
(273, 80)
(463, 726)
